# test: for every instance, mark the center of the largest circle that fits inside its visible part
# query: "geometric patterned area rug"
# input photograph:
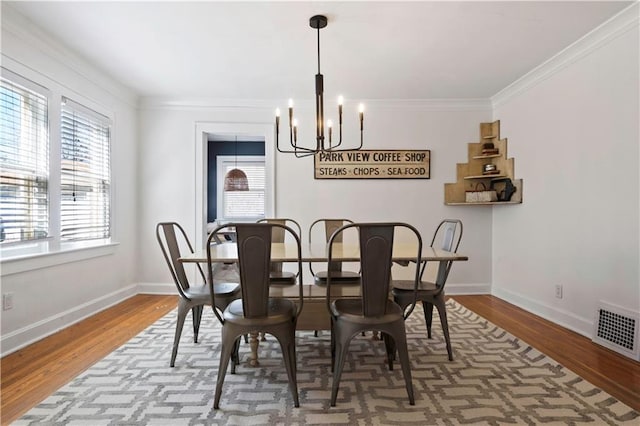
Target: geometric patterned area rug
(495, 378)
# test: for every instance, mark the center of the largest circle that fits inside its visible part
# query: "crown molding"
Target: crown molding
(605, 33)
(25, 31)
(154, 102)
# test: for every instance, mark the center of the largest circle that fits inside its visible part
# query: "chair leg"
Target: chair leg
(235, 356)
(289, 354)
(333, 347)
(428, 316)
(196, 312)
(341, 353)
(228, 345)
(403, 352)
(389, 345)
(182, 314)
(442, 312)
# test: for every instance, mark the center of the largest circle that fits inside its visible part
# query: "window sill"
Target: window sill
(39, 255)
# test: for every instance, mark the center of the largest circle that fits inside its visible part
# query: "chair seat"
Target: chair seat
(351, 310)
(280, 310)
(425, 288)
(201, 292)
(282, 278)
(337, 277)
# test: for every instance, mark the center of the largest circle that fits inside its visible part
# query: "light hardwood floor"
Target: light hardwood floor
(31, 374)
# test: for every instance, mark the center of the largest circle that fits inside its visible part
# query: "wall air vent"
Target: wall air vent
(617, 329)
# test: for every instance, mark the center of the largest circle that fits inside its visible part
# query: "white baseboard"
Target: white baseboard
(20, 338)
(573, 322)
(157, 288)
(467, 289)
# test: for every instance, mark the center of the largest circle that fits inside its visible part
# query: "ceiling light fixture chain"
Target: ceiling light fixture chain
(317, 22)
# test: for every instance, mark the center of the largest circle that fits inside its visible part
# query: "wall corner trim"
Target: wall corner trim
(608, 31)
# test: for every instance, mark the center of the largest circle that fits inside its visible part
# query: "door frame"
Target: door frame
(202, 130)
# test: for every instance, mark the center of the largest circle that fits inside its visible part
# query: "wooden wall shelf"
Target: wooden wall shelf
(470, 175)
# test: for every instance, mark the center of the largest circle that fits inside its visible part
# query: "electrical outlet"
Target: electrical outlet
(7, 301)
(559, 291)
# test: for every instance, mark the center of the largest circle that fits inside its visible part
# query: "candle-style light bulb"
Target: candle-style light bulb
(330, 127)
(361, 109)
(290, 112)
(340, 100)
(278, 112)
(295, 129)
(277, 119)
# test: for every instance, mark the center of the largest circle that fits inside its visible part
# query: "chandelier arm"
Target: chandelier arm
(349, 149)
(339, 132)
(296, 148)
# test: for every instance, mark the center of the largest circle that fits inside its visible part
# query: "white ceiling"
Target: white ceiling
(369, 50)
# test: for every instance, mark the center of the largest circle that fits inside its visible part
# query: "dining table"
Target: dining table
(314, 315)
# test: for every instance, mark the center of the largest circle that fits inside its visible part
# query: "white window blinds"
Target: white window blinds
(245, 205)
(24, 151)
(85, 174)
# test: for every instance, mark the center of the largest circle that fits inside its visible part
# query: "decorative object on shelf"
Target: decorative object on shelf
(481, 195)
(487, 178)
(490, 151)
(506, 191)
(322, 145)
(490, 169)
(488, 146)
(236, 179)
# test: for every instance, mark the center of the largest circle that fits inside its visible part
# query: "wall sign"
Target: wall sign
(371, 164)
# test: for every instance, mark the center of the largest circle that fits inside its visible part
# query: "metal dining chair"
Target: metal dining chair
(373, 310)
(278, 276)
(256, 311)
(173, 241)
(338, 273)
(447, 237)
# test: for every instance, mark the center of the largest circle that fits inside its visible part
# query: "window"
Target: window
(241, 205)
(55, 180)
(85, 174)
(24, 154)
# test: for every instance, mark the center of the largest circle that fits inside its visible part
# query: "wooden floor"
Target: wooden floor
(33, 373)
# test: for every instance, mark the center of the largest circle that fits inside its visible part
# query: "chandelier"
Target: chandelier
(322, 144)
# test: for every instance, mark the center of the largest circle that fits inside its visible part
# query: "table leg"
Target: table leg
(253, 344)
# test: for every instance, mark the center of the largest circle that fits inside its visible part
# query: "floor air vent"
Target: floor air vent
(617, 329)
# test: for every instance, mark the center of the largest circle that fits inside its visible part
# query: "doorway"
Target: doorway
(216, 133)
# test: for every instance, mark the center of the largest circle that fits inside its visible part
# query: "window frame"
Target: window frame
(17, 79)
(94, 119)
(22, 256)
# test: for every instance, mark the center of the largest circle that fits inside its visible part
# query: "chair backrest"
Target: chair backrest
(254, 263)
(171, 237)
(447, 236)
(376, 250)
(330, 226)
(279, 233)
